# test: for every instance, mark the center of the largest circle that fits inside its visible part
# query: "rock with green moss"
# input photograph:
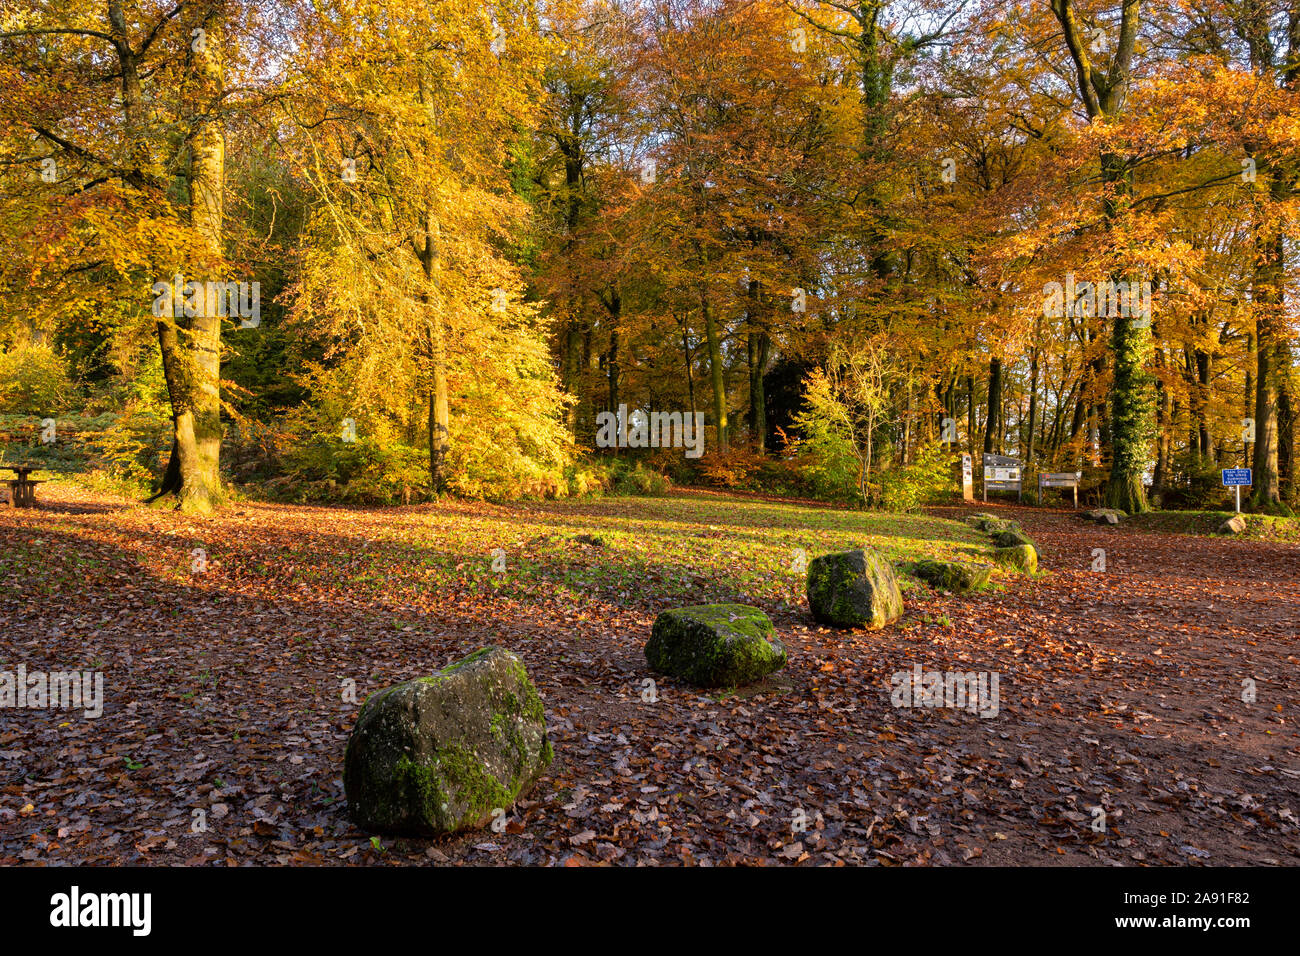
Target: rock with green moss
(714, 645)
(1022, 557)
(440, 754)
(1011, 539)
(991, 524)
(957, 577)
(1104, 515)
(853, 589)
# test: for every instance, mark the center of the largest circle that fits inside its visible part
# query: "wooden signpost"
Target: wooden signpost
(967, 478)
(1001, 474)
(1059, 479)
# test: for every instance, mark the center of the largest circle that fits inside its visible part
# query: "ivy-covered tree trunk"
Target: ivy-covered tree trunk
(1132, 393)
(1132, 413)
(1103, 92)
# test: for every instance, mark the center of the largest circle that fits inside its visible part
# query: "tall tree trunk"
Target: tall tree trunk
(613, 370)
(1132, 404)
(970, 414)
(992, 424)
(757, 344)
(439, 408)
(717, 377)
(1164, 427)
(1033, 392)
(191, 345)
(1286, 422)
(1268, 301)
(1272, 354)
(1103, 92)
(689, 360)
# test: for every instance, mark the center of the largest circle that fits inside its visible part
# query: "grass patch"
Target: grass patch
(1259, 526)
(687, 548)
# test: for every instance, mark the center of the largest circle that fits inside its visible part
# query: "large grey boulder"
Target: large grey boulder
(441, 753)
(715, 645)
(853, 589)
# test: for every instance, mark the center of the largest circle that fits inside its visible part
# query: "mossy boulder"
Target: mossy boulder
(853, 589)
(955, 576)
(1022, 557)
(441, 753)
(991, 524)
(1011, 539)
(1104, 515)
(714, 645)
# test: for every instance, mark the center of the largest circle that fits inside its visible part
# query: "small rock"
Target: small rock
(1234, 525)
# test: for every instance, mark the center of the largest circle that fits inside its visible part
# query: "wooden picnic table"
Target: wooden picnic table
(22, 490)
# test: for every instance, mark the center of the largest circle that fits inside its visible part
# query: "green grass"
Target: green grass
(705, 548)
(1263, 527)
(683, 548)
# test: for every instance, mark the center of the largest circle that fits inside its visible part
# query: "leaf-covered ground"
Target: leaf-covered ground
(1120, 689)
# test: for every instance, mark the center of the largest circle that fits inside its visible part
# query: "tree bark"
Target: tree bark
(1033, 392)
(759, 344)
(992, 422)
(717, 377)
(439, 408)
(1132, 393)
(191, 345)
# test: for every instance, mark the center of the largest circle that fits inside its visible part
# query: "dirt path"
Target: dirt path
(1119, 689)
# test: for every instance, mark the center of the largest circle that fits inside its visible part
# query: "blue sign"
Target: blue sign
(1236, 476)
